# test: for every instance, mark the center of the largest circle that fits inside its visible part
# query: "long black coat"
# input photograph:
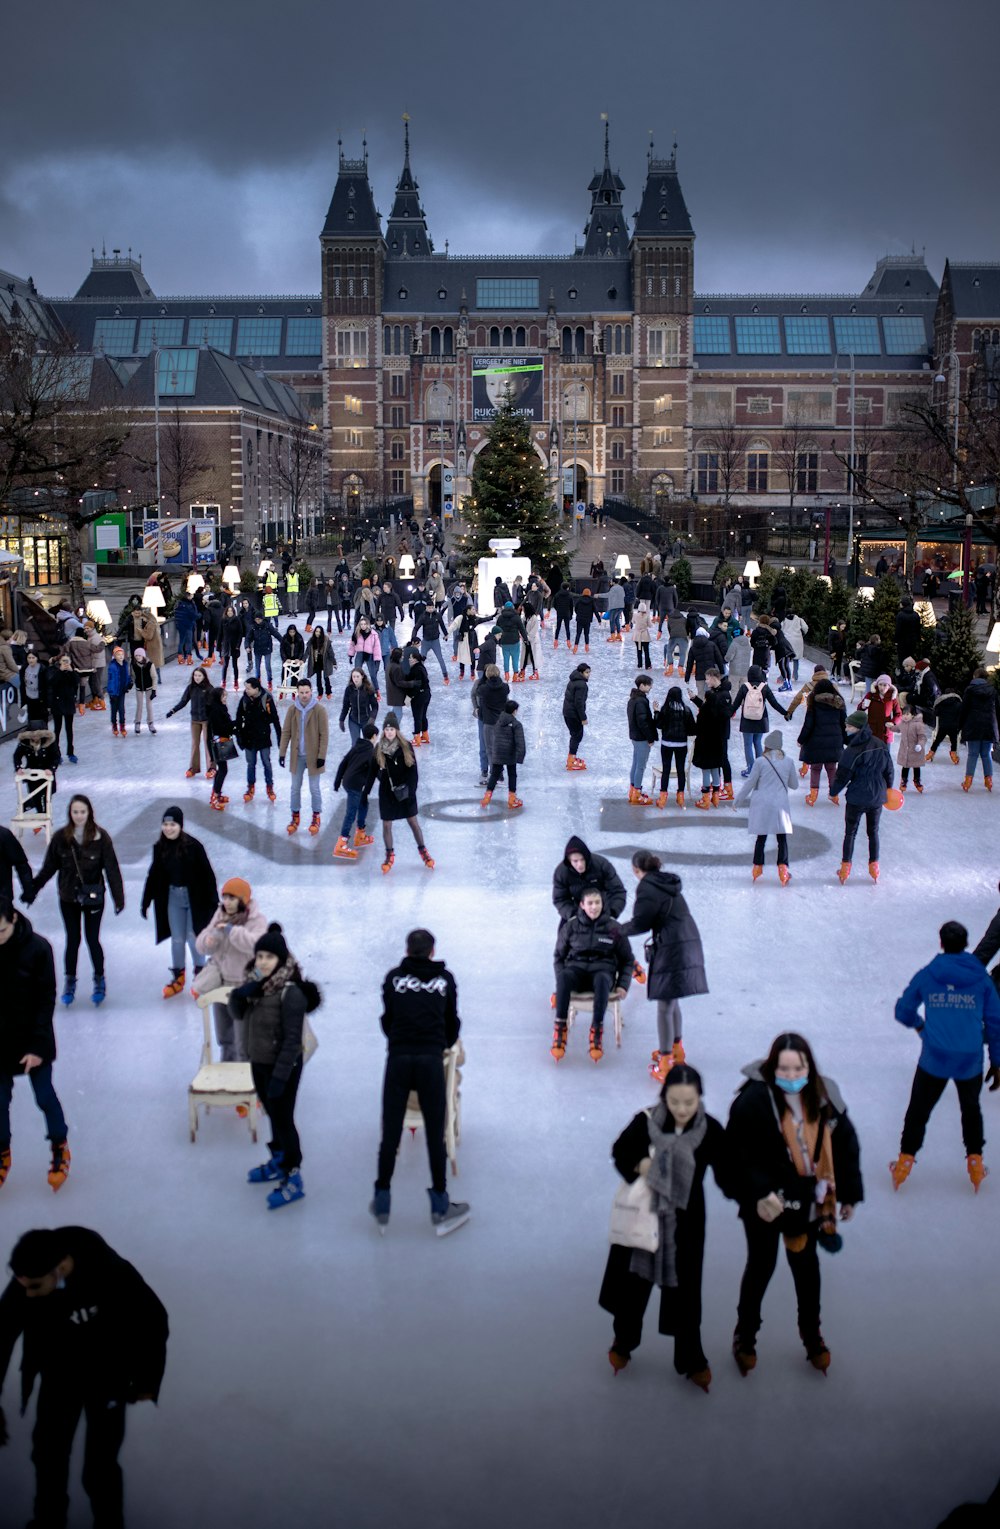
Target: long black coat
(759, 1154)
(575, 700)
(823, 735)
(13, 858)
(677, 963)
(394, 772)
(28, 981)
(199, 879)
(980, 710)
(711, 734)
(680, 1305)
(569, 885)
(907, 634)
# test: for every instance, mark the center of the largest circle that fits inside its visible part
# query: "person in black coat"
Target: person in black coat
(671, 1146)
(866, 772)
(359, 704)
(183, 890)
(822, 736)
(795, 1157)
(980, 724)
(579, 869)
(82, 858)
(96, 1336)
(676, 959)
(256, 718)
(353, 773)
(13, 858)
(592, 956)
(642, 736)
(762, 644)
(711, 738)
(585, 608)
(907, 631)
(292, 645)
(230, 644)
(562, 604)
(675, 724)
(703, 654)
(394, 768)
(419, 691)
(507, 752)
(61, 693)
(27, 1033)
(420, 1022)
(219, 725)
(575, 713)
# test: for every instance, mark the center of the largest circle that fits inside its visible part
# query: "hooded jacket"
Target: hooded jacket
(37, 750)
(420, 1006)
(569, 885)
(866, 769)
(256, 719)
(354, 770)
(980, 710)
(575, 697)
(28, 979)
(594, 945)
(961, 1011)
(703, 654)
(675, 720)
(507, 742)
(883, 709)
(677, 961)
(512, 628)
(586, 609)
(823, 734)
(228, 945)
(641, 727)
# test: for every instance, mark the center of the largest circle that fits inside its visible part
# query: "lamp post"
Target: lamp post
(851, 469)
(954, 381)
(966, 559)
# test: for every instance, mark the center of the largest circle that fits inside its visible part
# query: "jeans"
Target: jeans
(979, 748)
(711, 780)
(117, 711)
(926, 1091)
(251, 756)
(40, 1079)
(576, 979)
(262, 660)
(73, 916)
(354, 730)
(852, 817)
(753, 747)
(761, 841)
(433, 645)
(230, 1034)
(678, 645)
(511, 652)
(424, 1072)
(315, 788)
(181, 928)
(763, 1238)
(281, 1113)
(640, 755)
(365, 661)
(484, 763)
(61, 1402)
(357, 807)
(615, 619)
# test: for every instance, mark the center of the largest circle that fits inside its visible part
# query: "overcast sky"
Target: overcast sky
(813, 137)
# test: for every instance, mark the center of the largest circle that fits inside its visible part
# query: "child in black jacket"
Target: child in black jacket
(353, 774)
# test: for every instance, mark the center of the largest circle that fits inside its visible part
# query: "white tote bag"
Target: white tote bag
(634, 1223)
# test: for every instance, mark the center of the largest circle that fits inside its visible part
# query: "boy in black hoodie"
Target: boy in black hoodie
(353, 773)
(420, 1021)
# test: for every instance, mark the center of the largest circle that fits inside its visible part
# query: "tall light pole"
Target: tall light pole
(851, 470)
(954, 381)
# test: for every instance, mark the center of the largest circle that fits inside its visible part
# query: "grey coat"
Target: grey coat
(739, 658)
(766, 789)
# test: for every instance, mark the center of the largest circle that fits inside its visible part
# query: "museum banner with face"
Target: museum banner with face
(493, 378)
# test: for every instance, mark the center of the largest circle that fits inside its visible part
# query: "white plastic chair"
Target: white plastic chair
(220, 1085)
(583, 1004)
(34, 788)
(454, 1057)
(292, 670)
(858, 684)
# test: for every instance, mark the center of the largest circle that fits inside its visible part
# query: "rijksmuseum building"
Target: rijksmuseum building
(624, 368)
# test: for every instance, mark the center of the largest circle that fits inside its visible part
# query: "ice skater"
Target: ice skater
(766, 788)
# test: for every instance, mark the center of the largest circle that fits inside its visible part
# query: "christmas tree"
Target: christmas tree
(510, 498)
(958, 653)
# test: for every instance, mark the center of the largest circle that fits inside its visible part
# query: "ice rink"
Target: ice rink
(320, 1374)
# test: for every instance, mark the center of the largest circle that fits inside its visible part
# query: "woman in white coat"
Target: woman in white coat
(795, 629)
(766, 789)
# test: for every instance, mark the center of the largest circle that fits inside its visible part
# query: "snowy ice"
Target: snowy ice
(318, 1373)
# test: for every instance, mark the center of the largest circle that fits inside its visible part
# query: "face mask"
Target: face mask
(792, 1085)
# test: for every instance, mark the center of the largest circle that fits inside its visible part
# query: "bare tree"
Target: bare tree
(298, 470)
(891, 470)
(791, 442)
(183, 463)
(728, 443)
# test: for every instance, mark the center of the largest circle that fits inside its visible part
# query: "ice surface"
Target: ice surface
(320, 1374)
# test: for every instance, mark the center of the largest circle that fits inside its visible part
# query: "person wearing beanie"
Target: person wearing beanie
(562, 604)
(866, 772)
(512, 632)
(145, 680)
(182, 888)
(394, 768)
(429, 627)
(353, 773)
(751, 702)
(507, 746)
(642, 736)
(305, 735)
(574, 711)
(272, 1003)
(227, 943)
(256, 719)
(585, 609)
(118, 684)
(766, 789)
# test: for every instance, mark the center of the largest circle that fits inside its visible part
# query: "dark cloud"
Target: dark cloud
(812, 138)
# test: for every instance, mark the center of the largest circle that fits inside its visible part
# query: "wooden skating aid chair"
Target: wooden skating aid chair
(582, 1004)
(454, 1059)
(220, 1085)
(292, 670)
(34, 789)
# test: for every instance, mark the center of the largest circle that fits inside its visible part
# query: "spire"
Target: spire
(406, 232)
(663, 209)
(352, 208)
(605, 232)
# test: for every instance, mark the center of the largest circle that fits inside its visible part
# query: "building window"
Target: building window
(757, 472)
(618, 384)
(397, 384)
(580, 341)
(708, 472)
(618, 449)
(507, 339)
(860, 473)
(618, 417)
(899, 406)
(396, 420)
(116, 337)
(807, 472)
(806, 406)
(217, 334)
(857, 335)
(904, 336)
(161, 331)
(759, 404)
(807, 335)
(397, 450)
(303, 337)
(663, 404)
(506, 292)
(663, 345)
(258, 337)
(520, 338)
(353, 404)
(354, 437)
(567, 341)
(397, 481)
(617, 480)
(662, 436)
(352, 346)
(757, 335)
(448, 341)
(495, 337)
(177, 373)
(711, 334)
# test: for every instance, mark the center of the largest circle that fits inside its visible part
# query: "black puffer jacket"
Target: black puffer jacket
(511, 626)
(762, 646)
(359, 701)
(562, 603)
(491, 695)
(354, 770)
(865, 769)
(641, 727)
(575, 698)
(585, 609)
(569, 885)
(28, 981)
(507, 741)
(677, 962)
(703, 654)
(594, 945)
(675, 719)
(980, 710)
(256, 718)
(823, 735)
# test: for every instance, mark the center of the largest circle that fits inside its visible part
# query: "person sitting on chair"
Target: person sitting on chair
(592, 956)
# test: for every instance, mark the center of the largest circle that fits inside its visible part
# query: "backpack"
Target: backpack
(753, 704)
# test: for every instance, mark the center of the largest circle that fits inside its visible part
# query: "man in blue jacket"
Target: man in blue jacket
(961, 1010)
(866, 770)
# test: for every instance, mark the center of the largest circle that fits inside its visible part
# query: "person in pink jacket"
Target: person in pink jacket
(883, 708)
(228, 942)
(366, 650)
